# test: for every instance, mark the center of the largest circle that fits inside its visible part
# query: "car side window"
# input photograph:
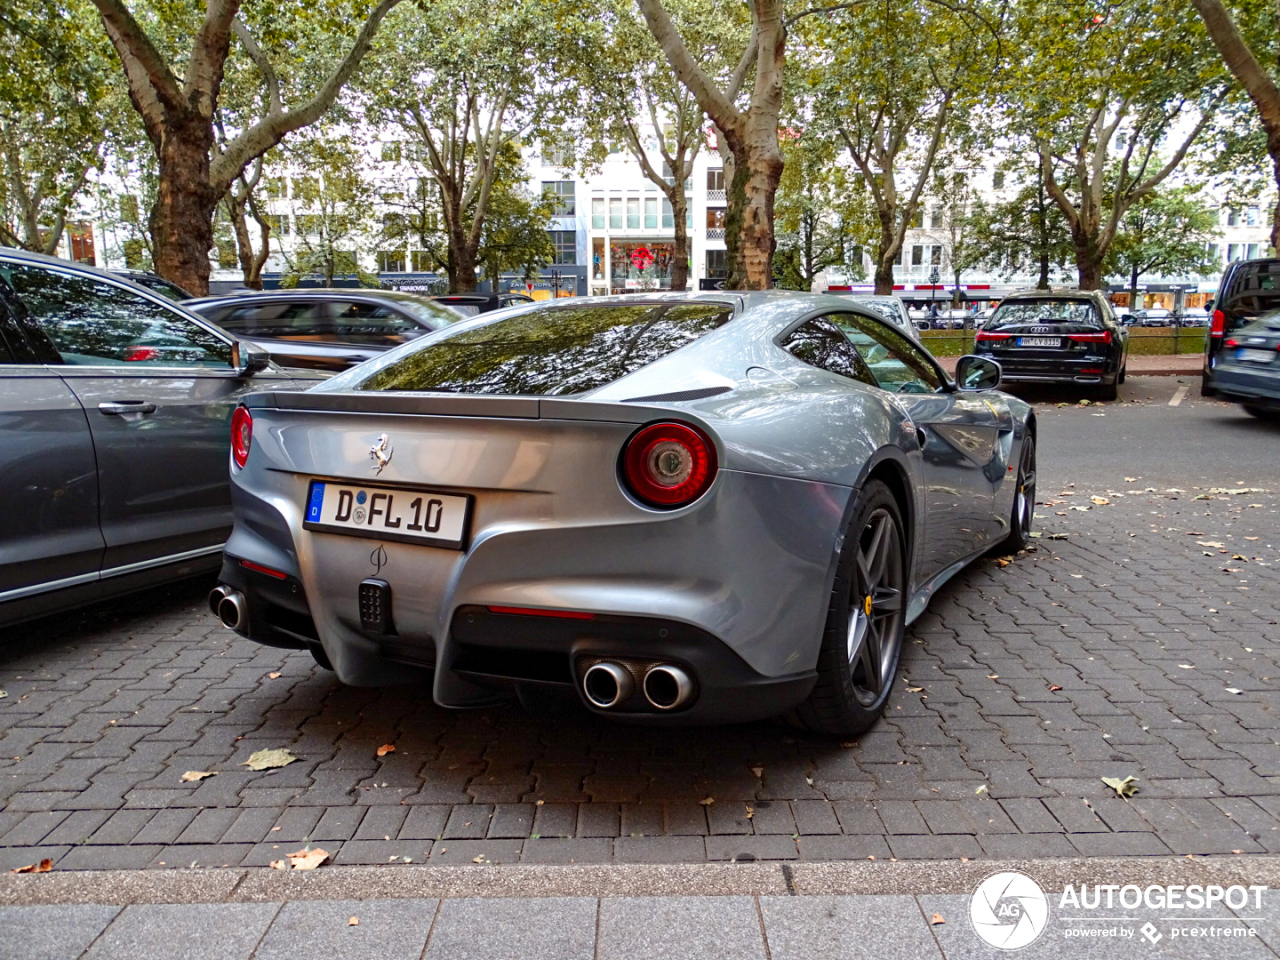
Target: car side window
(897, 364)
(95, 323)
(820, 343)
(280, 320)
(376, 323)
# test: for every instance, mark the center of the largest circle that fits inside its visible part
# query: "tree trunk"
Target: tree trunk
(680, 252)
(1043, 282)
(1088, 259)
(748, 233)
(181, 221)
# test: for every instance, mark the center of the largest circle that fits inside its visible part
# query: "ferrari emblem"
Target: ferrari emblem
(866, 605)
(381, 453)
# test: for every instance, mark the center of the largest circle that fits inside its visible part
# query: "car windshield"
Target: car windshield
(1015, 312)
(553, 351)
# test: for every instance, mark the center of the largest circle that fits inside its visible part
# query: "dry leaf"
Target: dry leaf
(936, 919)
(5, 693)
(1003, 561)
(707, 801)
(1053, 688)
(751, 812)
(1211, 543)
(1130, 479)
(1186, 666)
(44, 866)
(479, 858)
(1233, 690)
(849, 744)
(269, 759)
(193, 775)
(353, 921)
(273, 676)
(1123, 787)
(758, 771)
(279, 865)
(914, 689)
(308, 859)
(1099, 500)
(981, 789)
(993, 676)
(386, 748)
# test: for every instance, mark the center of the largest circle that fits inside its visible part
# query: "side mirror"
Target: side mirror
(248, 358)
(977, 373)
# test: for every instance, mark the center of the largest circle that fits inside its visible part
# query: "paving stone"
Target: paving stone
(205, 931)
(677, 928)
(934, 847)
(659, 850)
(380, 851)
(252, 826)
(1119, 844)
(388, 929)
(467, 851)
(380, 823)
(844, 847)
(572, 850)
(51, 933)
(751, 848)
(425, 822)
(803, 928)
(164, 826)
(468, 820)
(33, 828)
(552, 928)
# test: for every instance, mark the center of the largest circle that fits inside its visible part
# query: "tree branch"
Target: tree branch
(262, 62)
(717, 106)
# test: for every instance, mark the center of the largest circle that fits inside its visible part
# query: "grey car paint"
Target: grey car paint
(751, 562)
(116, 473)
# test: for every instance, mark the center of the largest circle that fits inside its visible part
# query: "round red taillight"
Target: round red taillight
(241, 435)
(668, 464)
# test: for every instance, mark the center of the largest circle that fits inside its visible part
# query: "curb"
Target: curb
(262, 884)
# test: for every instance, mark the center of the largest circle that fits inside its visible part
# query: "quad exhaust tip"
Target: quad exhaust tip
(667, 687)
(229, 606)
(606, 684)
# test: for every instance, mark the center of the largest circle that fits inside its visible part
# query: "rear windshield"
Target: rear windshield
(1253, 289)
(1016, 312)
(551, 352)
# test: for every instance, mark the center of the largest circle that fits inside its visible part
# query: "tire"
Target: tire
(866, 619)
(1022, 516)
(319, 656)
(1109, 391)
(1262, 413)
(1124, 373)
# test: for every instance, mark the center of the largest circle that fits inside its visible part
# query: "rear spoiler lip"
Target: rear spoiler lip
(467, 405)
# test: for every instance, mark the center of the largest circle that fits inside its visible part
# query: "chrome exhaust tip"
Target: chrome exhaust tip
(667, 686)
(233, 611)
(606, 685)
(216, 596)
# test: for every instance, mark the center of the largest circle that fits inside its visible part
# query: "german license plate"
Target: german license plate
(1255, 356)
(409, 516)
(1040, 342)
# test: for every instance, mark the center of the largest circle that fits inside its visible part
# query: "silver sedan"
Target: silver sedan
(686, 507)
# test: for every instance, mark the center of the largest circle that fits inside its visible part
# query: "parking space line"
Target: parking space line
(1177, 397)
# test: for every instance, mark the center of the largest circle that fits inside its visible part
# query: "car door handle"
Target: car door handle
(119, 408)
(921, 436)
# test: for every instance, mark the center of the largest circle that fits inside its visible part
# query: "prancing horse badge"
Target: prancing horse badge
(381, 452)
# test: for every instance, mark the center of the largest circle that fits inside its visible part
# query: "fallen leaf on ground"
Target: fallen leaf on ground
(1233, 690)
(353, 921)
(1099, 500)
(914, 689)
(192, 775)
(307, 859)
(707, 801)
(1211, 543)
(993, 676)
(758, 771)
(1123, 787)
(279, 865)
(981, 789)
(751, 811)
(269, 759)
(386, 748)
(1186, 666)
(44, 866)
(1247, 538)
(5, 693)
(1058, 536)
(1003, 561)
(1236, 491)
(937, 918)
(273, 676)
(849, 744)
(478, 858)
(1053, 687)
(1130, 479)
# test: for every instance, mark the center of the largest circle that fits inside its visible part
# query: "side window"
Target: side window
(92, 322)
(820, 343)
(280, 320)
(897, 364)
(6, 354)
(364, 322)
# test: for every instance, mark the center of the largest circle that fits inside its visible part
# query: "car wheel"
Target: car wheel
(1024, 500)
(1109, 391)
(1262, 413)
(1124, 373)
(862, 639)
(319, 656)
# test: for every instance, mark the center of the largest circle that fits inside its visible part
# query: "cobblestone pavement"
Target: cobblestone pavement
(1138, 638)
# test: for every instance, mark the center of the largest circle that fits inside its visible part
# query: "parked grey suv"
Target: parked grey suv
(115, 405)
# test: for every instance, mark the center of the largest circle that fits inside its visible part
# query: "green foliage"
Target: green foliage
(1166, 233)
(1026, 233)
(820, 212)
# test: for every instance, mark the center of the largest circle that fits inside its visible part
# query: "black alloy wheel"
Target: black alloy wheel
(866, 618)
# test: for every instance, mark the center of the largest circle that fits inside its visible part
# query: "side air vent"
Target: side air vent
(700, 394)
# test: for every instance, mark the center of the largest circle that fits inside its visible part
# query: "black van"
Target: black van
(1249, 288)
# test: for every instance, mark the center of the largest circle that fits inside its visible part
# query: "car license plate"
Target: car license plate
(1039, 342)
(385, 513)
(1255, 356)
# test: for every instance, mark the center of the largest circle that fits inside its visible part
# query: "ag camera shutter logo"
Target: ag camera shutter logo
(1009, 910)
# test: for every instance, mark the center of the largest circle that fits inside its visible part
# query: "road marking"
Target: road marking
(1177, 397)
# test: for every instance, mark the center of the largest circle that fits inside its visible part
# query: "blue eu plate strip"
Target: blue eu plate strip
(315, 501)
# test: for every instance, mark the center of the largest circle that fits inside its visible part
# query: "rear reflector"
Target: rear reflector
(250, 565)
(537, 612)
(1218, 326)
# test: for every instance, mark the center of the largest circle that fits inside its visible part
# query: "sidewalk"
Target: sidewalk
(752, 911)
(1183, 364)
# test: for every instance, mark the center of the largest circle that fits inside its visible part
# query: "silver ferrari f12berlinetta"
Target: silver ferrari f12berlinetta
(672, 507)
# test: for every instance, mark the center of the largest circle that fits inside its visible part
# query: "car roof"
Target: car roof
(1053, 293)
